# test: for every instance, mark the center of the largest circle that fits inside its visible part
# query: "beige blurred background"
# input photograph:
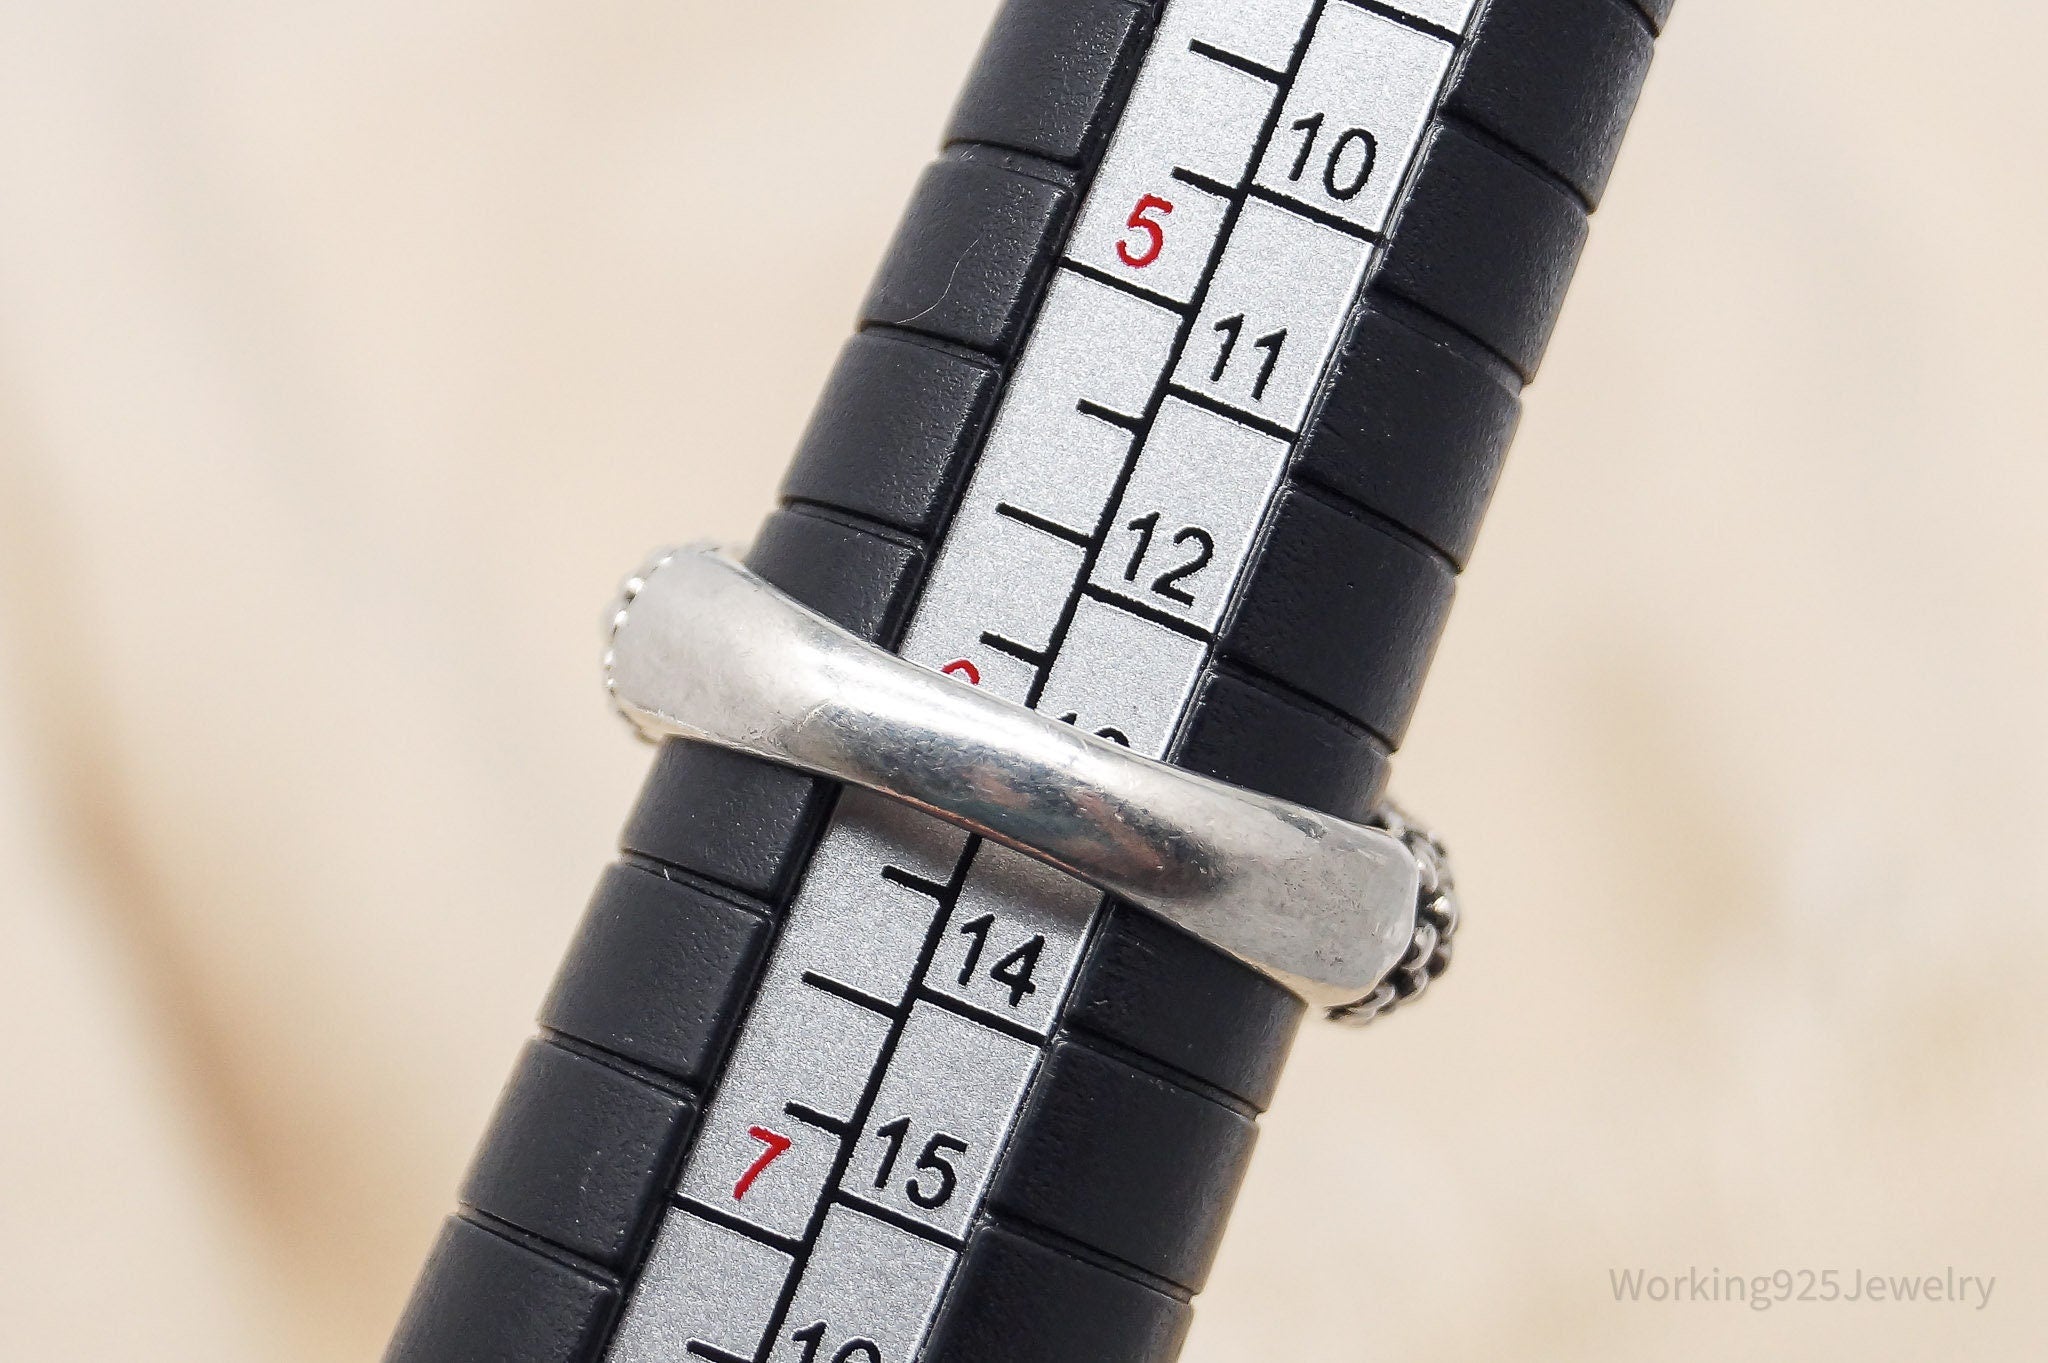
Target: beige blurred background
(348, 354)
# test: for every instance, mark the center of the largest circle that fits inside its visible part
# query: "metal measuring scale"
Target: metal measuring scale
(1022, 788)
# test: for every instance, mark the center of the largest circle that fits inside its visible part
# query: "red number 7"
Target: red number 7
(776, 1145)
(1154, 230)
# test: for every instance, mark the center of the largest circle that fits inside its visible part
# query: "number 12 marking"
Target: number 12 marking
(1164, 584)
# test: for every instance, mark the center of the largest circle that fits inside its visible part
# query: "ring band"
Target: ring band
(702, 649)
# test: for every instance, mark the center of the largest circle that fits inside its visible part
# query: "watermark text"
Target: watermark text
(1801, 1287)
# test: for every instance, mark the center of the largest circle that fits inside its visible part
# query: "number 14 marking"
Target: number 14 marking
(1014, 970)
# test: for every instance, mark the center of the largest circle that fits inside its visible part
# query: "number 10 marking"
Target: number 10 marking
(1348, 187)
(853, 1351)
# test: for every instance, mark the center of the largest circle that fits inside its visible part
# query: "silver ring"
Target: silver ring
(702, 649)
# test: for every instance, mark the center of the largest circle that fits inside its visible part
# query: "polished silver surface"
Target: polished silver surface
(702, 649)
(1436, 925)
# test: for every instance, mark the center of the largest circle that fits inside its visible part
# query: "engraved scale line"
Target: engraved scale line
(1122, 285)
(1406, 20)
(1095, 411)
(1235, 62)
(825, 984)
(1316, 215)
(1150, 614)
(725, 1220)
(1016, 1031)
(1196, 398)
(1031, 657)
(810, 1116)
(890, 1216)
(1203, 183)
(1040, 523)
(711, 1353)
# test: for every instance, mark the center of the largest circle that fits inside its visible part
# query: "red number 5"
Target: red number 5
(1154, 230)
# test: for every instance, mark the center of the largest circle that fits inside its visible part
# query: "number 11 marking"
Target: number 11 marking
(1233, 327)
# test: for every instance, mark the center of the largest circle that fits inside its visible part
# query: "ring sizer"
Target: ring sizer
(703, 649)
(1120, 542)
